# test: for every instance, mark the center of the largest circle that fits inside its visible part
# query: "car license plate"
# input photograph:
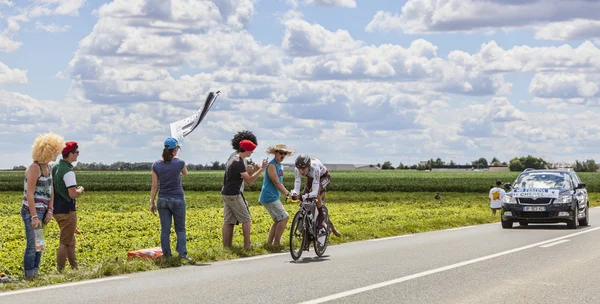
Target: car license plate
(534, 208)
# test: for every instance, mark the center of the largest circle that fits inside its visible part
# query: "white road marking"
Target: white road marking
(433, 271)
(258, 257)
(555, 243)
(407, 235)
(390, 238)
(459, 228)
(10, 293)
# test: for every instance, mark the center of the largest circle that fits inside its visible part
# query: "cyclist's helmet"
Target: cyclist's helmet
(302, 161)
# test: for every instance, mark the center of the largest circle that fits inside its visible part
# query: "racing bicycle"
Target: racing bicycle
(304, 229)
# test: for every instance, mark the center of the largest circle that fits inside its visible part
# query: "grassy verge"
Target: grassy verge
(113, 223)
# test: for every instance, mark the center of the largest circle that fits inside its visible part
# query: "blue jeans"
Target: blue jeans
(172, 209)
(31, 259)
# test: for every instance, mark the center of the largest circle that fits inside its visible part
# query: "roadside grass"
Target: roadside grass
(113, 223)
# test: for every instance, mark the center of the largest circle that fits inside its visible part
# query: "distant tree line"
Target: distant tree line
(127, 166)
(515, 164)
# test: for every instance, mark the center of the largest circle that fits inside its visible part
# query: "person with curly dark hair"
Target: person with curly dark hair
(235, 206)
(235, 144)
(241, 135)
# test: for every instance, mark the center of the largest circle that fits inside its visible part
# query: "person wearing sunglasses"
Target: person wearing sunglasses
(317, 180)
(270, 193)
(65, 205)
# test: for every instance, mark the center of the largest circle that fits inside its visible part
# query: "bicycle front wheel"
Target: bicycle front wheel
(297, 236)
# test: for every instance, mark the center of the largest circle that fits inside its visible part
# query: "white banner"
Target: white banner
(536, 192)
(184, 127)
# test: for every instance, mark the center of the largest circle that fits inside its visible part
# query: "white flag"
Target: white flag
(184, 127)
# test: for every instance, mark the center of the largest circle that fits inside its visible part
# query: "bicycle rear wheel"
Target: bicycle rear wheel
(321, 243)
(297, 236)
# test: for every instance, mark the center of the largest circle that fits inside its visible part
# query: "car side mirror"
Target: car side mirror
(581, 186)
(507, 186)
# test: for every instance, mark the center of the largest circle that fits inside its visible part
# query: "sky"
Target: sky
(345, 81)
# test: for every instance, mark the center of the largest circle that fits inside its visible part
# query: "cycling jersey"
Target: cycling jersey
(316, 171)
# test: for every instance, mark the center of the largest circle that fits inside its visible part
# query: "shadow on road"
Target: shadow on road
(544, 227)
(311, 260)
(199, 264)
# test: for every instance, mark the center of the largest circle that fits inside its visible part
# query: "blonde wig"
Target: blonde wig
(47, 147)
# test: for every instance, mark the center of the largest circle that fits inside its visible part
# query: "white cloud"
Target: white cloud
(431, 16)
(8, 45)
(25, 13)
(485, 118)
(564, 85)
(11, 76)
(128, 55)
(148, 63)
(569, 30)
(304, 39)
(419, 62)
(341, 3)
(52, 27)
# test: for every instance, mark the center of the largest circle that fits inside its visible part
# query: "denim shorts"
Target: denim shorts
(276, 210)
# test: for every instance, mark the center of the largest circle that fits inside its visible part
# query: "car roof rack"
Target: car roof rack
(528, 169)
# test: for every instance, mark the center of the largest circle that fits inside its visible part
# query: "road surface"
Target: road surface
(475, 264)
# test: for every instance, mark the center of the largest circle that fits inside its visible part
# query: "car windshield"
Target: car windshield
(544, 180)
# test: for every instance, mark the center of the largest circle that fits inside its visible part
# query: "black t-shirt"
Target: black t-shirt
(232, 181)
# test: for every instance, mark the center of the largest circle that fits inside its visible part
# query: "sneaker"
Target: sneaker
(187, 259)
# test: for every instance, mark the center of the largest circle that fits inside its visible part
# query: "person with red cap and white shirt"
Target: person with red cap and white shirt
(235, 206)
(67, 191)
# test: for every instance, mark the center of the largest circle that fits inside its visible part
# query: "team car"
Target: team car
(546, 196)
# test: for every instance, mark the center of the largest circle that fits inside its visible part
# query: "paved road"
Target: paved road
(477, 264)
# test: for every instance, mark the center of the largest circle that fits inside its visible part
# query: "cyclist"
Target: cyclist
(317, 179)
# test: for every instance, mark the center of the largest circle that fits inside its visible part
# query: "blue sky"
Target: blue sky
(343, 80)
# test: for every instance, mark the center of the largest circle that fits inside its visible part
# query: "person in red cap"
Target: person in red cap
(235, 206)
(65, 206)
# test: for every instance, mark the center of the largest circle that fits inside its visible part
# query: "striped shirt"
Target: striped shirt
(41, 195)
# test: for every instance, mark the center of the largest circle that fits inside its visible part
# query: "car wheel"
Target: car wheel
(586, 220)
(507, 224)
(573, 223)
(524, 224)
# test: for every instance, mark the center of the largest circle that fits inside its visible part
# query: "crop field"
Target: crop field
(377, 181)
(114, 217)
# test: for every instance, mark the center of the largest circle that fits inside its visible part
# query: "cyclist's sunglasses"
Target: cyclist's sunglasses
(282, 152)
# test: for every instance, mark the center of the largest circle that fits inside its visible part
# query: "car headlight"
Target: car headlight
(565, 200)
(509, 200)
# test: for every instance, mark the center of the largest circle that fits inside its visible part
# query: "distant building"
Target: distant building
(451, 169)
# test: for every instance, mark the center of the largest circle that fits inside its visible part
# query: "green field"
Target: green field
(377, 181)
(363, 205)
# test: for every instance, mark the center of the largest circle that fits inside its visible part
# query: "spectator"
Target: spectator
(271, 191)
(496, 196)
(241, 135)
(65, 204)
(38, 197)
(235, 206)
(171, 199)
